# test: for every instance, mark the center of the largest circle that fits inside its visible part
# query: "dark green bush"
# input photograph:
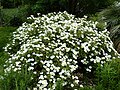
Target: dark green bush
(76, 7)
(14, 17)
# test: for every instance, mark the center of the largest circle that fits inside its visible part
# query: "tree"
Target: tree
(76, 7)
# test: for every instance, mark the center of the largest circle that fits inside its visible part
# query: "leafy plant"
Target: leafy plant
(111, 16)
(109, 76)
(15, 80)
(78, 7)
(5, 34)
(14, 17)
(56, 47)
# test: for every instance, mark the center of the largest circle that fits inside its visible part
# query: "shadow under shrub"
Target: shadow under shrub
(58, 46)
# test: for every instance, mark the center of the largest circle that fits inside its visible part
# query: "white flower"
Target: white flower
(17, 63)
(77, 81)
(88, 70)
(43, 82)
(81, 85)
(86, 49)
(75, 52)
(52, 57)
(47, 69)
(28, 55)
(90, 67)
(45, 89)
(35, 72)
(72, 85)
(34, 88)
(54, 44)
(30, 68)
(64, 63)
(67, 49)
(74, 56)
(52, 73)
(29, 60)
(41, 77)
(15, 69)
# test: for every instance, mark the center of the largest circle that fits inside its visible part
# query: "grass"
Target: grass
(12, 81)
(108, 76)
(14, 16)
(8, 14)
(5, 34)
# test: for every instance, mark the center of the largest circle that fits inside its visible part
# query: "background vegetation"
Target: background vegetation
(14, 12)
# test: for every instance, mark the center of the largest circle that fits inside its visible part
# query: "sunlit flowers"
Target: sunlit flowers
(53, 45)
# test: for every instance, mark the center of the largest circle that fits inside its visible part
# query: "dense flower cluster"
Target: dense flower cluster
(53, 45)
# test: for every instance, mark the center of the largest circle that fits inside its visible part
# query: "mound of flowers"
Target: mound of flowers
(55, 46)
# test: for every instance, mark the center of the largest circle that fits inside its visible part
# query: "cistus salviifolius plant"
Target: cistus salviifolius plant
(54, 46)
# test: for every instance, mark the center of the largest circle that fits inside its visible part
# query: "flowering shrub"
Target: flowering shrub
(54, 46)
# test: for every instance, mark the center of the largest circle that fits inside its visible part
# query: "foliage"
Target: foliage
(108, 76)
(6, 15)
(14, 17)
(78, 7)
(58, 46)
(111, 16)
(15, 81)
(16, 3)
(5, 33)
